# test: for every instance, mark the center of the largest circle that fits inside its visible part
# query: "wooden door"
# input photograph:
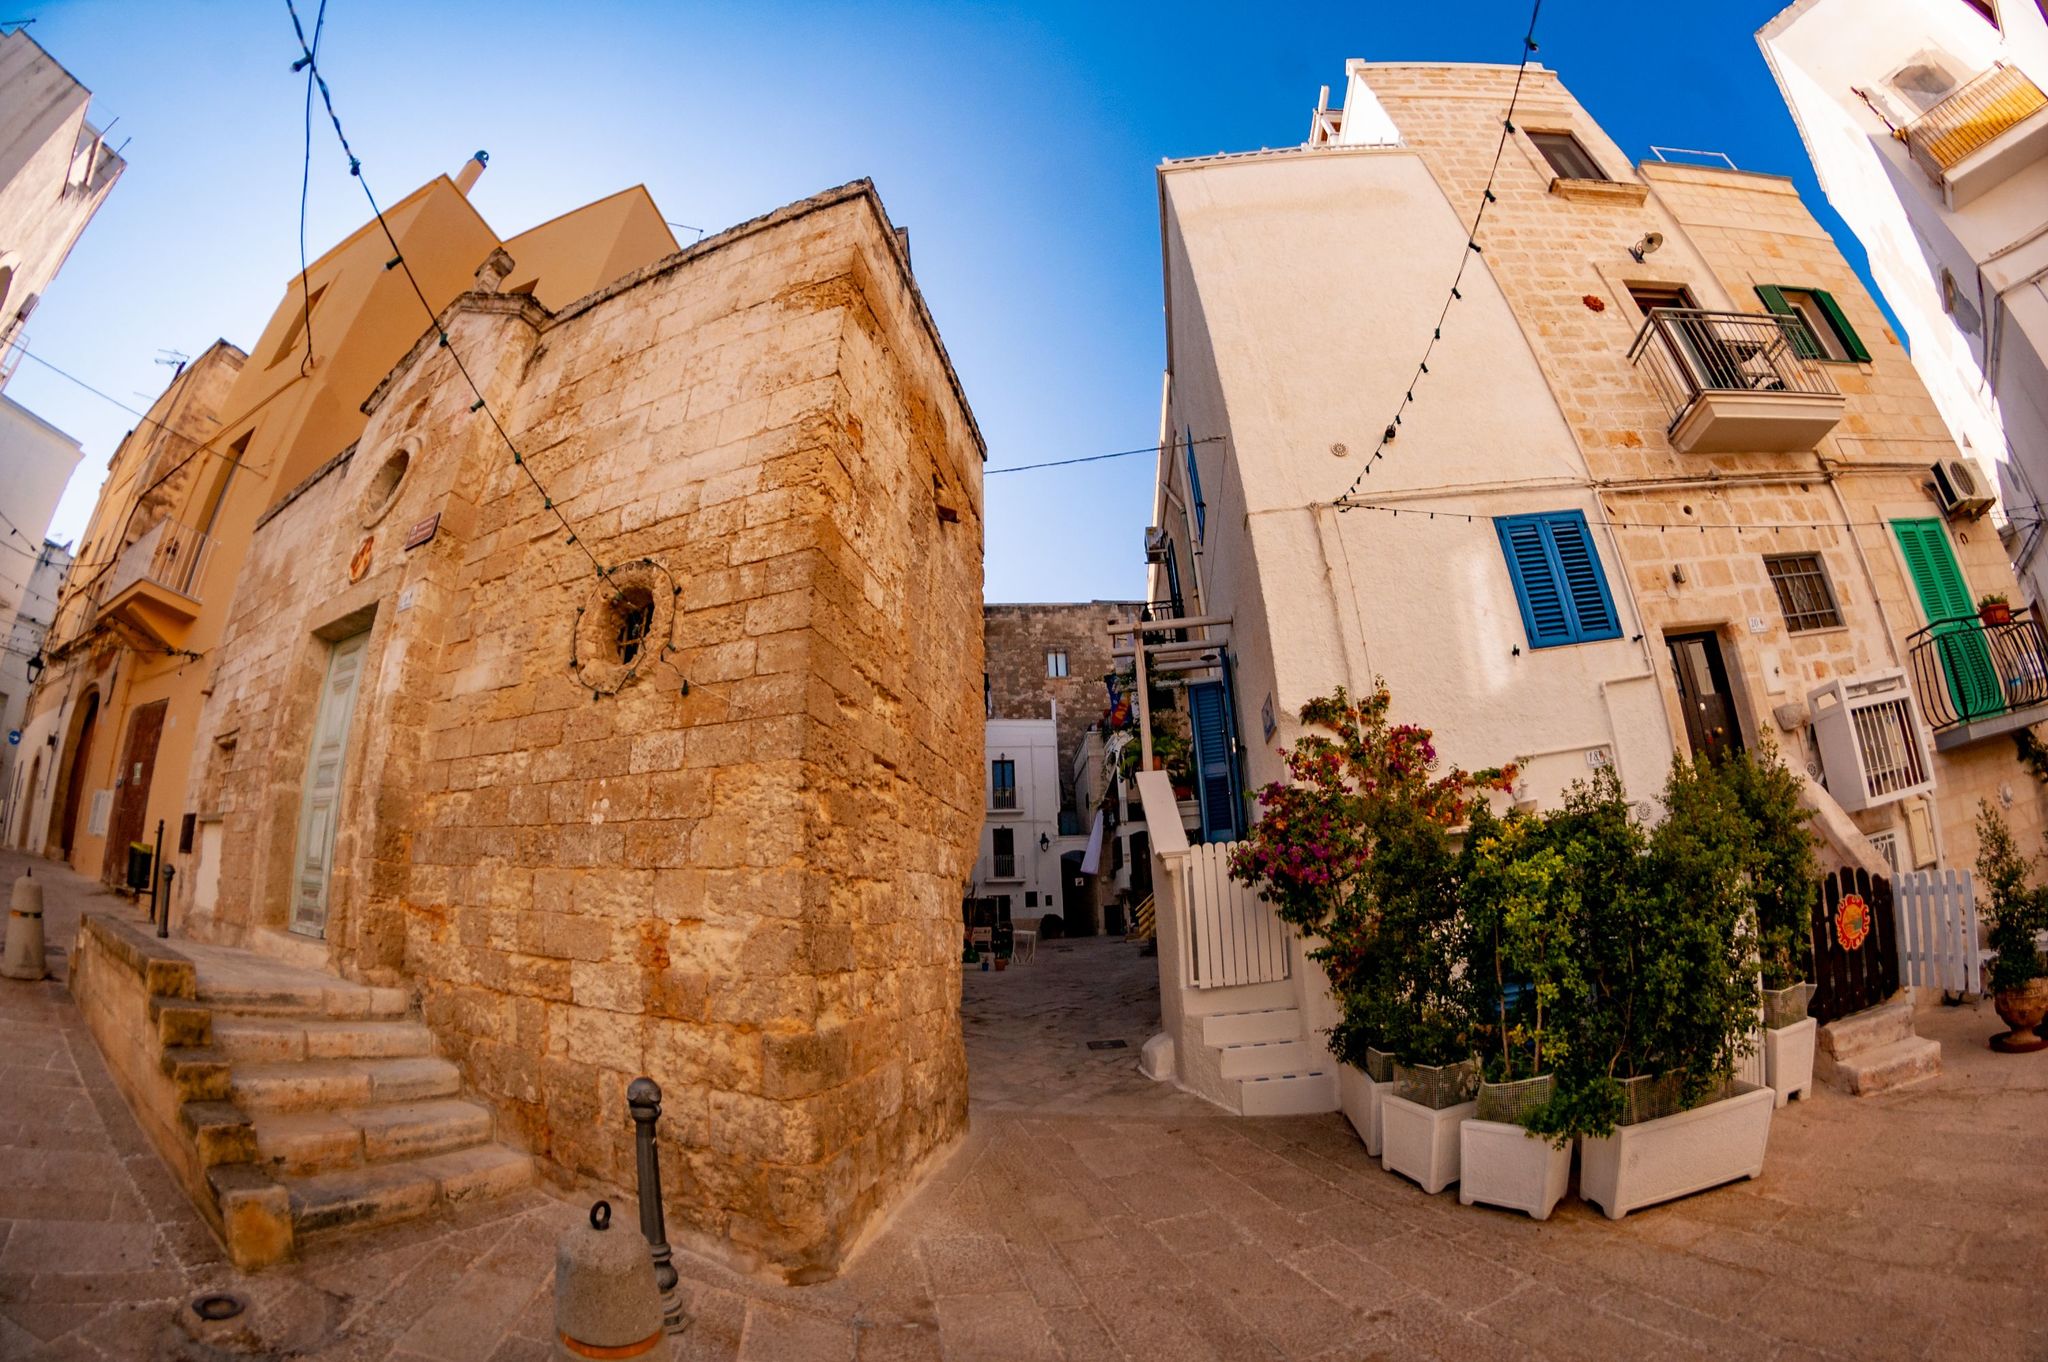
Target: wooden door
(1855, 945)
(74, 779)
(131, 789)
(1703, 696)
(320, 800)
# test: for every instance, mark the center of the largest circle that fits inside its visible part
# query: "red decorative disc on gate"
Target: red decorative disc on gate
(1852, 922)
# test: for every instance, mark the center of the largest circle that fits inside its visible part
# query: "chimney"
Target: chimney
(466, 178)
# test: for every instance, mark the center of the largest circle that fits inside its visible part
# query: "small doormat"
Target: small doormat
(1108, 1044)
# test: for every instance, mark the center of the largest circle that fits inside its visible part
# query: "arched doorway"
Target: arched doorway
(25, 803)
(77, 757)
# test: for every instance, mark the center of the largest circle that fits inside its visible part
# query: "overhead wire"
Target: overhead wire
(305, 187)
(1472, 248)
(1091, 458)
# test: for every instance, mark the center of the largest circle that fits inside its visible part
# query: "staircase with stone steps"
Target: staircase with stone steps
(307, 1103)
(1268, 1064)
(1875, 1050)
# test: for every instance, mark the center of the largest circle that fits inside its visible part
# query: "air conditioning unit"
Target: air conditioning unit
(1155, 544)
(1872, 746)
(1960, 489)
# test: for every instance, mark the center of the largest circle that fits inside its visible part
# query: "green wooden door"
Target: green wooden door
(1945, 600)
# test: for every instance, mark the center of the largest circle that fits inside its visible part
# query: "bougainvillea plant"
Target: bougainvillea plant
(1348, 785)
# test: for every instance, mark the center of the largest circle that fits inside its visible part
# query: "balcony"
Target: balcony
(155, 583)
(1993, 124)
(1737, 382)
(1977, 680)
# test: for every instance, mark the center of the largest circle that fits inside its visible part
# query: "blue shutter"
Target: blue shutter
(1211, 714)
(1195, 489)
(1557, 577)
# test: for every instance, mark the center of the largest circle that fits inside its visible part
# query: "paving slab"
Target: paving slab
(1092, 1216)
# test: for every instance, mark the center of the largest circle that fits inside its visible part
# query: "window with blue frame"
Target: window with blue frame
(1558, 579)
(1195, 490)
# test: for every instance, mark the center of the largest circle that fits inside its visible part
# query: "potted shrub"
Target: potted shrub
(1994, 609)
(1667, 944)
(1520, 921)
(2015, 913)
(1783, 877)
(1352, 851)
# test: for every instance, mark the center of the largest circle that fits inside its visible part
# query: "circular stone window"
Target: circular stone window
(382, 491)
(623, 626)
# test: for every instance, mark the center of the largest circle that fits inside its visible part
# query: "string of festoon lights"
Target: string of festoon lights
(1472, 248)
(658, 650)
(1454, 516)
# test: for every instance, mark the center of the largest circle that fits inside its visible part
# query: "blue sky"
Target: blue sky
(1016, 143)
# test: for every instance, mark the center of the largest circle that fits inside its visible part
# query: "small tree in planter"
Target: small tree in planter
(2016, 912)
(1353, 849)
(1669, 945)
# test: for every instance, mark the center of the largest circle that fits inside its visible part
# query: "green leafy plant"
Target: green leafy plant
(1778, 858)
(1521, 914)
(2016, 910)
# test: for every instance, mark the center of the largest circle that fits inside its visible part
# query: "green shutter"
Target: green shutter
(1945, 600)
(1804, 342)
(1850, 341)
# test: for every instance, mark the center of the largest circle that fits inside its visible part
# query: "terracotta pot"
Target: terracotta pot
(1998, 612)
(2022, 1009)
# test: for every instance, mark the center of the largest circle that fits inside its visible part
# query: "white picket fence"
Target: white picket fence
(1232, 937)
(1937, 930)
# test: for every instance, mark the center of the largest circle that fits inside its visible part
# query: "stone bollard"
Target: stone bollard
(606, 1303)
(25, 956)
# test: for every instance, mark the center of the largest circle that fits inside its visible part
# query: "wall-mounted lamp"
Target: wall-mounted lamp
(34, 666)
(1647, 246)
(1044, 842)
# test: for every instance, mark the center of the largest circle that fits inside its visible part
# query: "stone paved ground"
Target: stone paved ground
(1092, 1215)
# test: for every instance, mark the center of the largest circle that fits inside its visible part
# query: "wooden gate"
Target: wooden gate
(1855, 944)
(1233, 936)
(1938, 931)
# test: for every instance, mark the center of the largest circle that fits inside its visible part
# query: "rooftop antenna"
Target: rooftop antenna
(688, 228)
(174, 360)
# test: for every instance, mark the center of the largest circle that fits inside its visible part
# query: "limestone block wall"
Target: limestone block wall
(746, 887)
(1725, 233)
(1019, 637)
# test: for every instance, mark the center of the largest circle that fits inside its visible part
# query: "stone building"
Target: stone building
(1665, 486)
(653, 748)
(1048, 662)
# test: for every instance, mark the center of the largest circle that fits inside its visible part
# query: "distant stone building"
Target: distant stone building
(705, 819)
(1045, 689)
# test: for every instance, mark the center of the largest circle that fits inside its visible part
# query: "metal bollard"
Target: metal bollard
(606, 1303)
(643, 1100)
(25, 955)
(163, 919)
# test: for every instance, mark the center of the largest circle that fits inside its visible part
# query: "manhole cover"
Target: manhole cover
(1109, 1044)
(218, 1305)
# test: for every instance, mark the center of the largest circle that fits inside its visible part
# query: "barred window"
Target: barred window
(1803, 592)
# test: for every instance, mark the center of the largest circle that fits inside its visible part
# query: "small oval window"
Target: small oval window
(383, 488)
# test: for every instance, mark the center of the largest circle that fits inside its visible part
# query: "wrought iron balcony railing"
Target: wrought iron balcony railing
(1736, 381)
(1982, 110)
(1976, 679)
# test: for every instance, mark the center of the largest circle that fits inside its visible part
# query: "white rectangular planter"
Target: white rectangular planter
(1360, 1099)
(1421, 1143)
(1673, 1156)
(1501, 1164)
(1788, 1059)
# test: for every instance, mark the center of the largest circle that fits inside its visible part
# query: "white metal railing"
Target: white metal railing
(1937, 930)
(1233, 936)
(169, 554)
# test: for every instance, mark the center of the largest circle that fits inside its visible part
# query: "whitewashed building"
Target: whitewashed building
(1021, 843)
(1928, 128)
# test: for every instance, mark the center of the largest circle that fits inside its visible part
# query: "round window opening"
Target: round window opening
(383, 488)
(631, 621)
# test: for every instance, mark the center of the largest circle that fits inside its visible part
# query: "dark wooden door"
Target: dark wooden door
(74, 778)
(1703, 696)
(131, 789)
(1855, 946)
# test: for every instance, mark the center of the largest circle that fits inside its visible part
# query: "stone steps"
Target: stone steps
(325, 1084)
(1875, 1050)
(1293, 1094)
(252, 995)
(378, 1194)
(1881, 1068)
(1266, 1058)
(310, 1142)
(1245, 1028)
(272, 1040)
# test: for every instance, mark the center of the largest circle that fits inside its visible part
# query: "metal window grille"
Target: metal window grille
(635, 613)
(1003, 784)
(1886, 845)
(1803, 592)
(1884, 737)
(1005, 854)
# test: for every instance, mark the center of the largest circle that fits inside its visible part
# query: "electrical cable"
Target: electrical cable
(1091, 458)
(1472, 248)
(305, 186)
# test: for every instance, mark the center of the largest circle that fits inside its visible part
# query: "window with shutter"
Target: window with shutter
(1209, 707)
(1195, 491)
(1558, 579)
(1824, 331)
(1966, 660)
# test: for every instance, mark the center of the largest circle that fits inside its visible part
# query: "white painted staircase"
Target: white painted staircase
(1269, 1064)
